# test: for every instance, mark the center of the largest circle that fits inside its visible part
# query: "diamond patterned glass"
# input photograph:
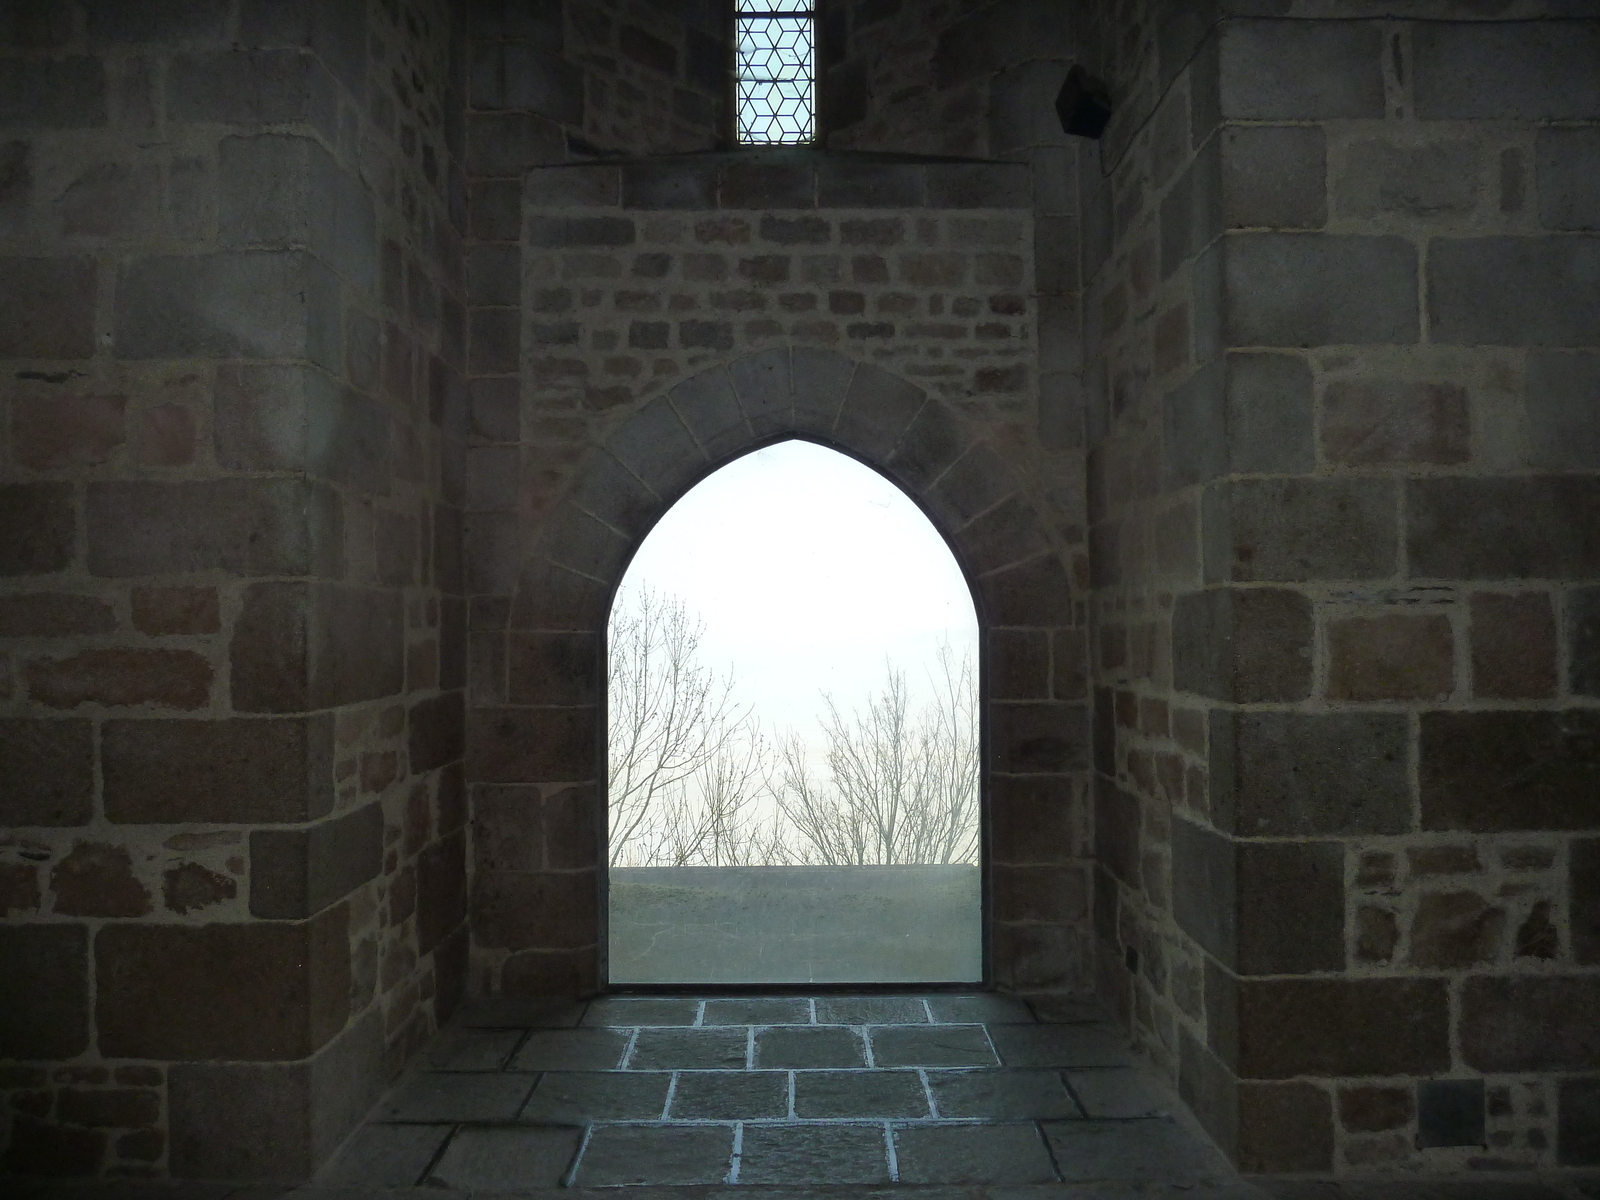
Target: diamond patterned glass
(777, 81)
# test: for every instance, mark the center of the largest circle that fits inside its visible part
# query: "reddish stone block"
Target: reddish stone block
(1377, 934)
(19, 889)
(53, 614)
(47, 307)
(164, 436)
(532, 745)
(1493, 771)
(553, 668)
(44, 991)
(299, 646)
(1530, 1023)
(1455, 929)
(1395, 421)
(1043, 738)
(526, 910)
(1284, 1127)
(52, 433)
(1019, 664)
(1374, 1109)
(190, 886)
(118, 676)
(53, 1151)
(1443, 860)
(508, 828)
(1342, 1027)
(254, 993)
(39, 534)
(96, 880)
(299, 872)
(46, 772)
(1391, 657)
(164, 610)
(1513, 646)
(1033, 819)
(108, 1108)
(239, 770)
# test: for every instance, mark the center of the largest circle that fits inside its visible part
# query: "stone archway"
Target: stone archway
(536, 762)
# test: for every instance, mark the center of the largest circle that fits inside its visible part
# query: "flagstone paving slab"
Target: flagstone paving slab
(857, 1094)
(814, 1154)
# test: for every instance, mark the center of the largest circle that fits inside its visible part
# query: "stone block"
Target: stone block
(1243, 645)
(1538, 526)
(156, 21)
(252, 88)
(43, 1149)
(1514, 646)
(39, 535)
(1301, 70)
(846, 183)
(1038, 592)
(553, 668)
(96, 880)
(1274, 177)
(296, 873)
(232, 771)
(762, 186)
(441, 890)
(1395, 421)
(1583, 641)
(1040, 738)
(492, 549)
(973, 185)
(47, 307)
(300, 646)
(1559, 400)
(711, 412)
(1293, 774)
(505, 145)
(605, 489)
(575, 232)
(335, 32)
(46, 773)
(1514, 291)
(658, 449)
(1116, 831)
(1034, 819)
(436, 733)
(240, 526)
(1285, 1127)
(35, 24)
(49, 434)
(763, 384)
(1434, 180)
(1342, 1027)
(121, 676)
(574, 186)
(248, 993)
(1008, 534)
(531, 745)
(1578, 1125)
(1397, 656)
(821, 379)
(1306, 289)
(528, 79)
(252, 304)
(53, 93)
(676, 185)
(1494, 771)
(1294, 530)
(549, 910)
(1507, 71)
(44, 991)
(550, 596)
(1568, 172)
(1530, 1023)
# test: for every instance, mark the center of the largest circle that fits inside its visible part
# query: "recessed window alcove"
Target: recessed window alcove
(793, 737)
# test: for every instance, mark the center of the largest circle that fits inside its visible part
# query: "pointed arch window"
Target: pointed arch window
(775, 74)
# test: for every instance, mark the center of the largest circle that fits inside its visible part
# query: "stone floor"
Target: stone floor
(826, 1090)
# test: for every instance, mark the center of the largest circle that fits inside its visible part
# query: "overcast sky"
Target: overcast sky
(808, 569)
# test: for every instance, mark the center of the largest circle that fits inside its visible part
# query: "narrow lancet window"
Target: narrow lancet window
(777, 78)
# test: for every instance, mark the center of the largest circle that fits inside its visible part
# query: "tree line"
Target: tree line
(694, 781)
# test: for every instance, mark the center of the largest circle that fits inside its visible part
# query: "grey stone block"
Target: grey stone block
(1292, 530)
(121, 21)
(711, 412)
(766, 186)
(44, 998)
(572, 1050)
(1562, 399)
(619, 1155)
(295, 874)
(787, 1048)
(472, 1049)
(47, 768)
(16, 186)
(759, 1011)
(988, 1008)
(505, 145)
(1055, 249)
(384, 1156)
(607, 490)
(1515, 291)
(973, 185)
(506, 1159)
(271, 418)
(35, 24)
(931, 1046)
(992, 1154)
(578, 186)
(53, 93)
(763, 384)
(859, 1094)
(494, 275)
(1191, 211)
(1532, 527)
(1244, 414)
(1583, 640)
(877, 411)
(1301, 289)
(1568, 173)
(821, 380)
(1059, 1046)
(1429, 181)
(1274, 176)
(519, 76)
(259, 304)
(1301, 70)
(442, 1097)
(657, 448)
(1014, 1094)
(578, 1097)
(336, 32)
(252, 87)
(47, 307)
(1022, 96)
(730, 1095)
(689, 1049)
(1249, 645)
(870, 1010)
(579, 231)
(1143, 1151)
(614, 1011)
(813, 1154)
(1299, 774)
(1506, 70)
(847, 183)
(1117, 1095)
(677, 185)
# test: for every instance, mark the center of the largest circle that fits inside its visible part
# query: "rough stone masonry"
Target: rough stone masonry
(348, 347)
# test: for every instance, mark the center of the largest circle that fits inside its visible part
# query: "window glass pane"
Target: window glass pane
(775, 6)
(776, 79)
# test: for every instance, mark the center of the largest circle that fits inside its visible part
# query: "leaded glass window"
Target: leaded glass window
(777, 78)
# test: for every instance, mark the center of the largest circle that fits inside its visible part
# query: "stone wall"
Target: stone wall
(231, 631)
(670, 315)
(1343, 478)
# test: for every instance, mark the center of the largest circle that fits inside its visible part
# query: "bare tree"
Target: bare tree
(901, 788)
(688, 766)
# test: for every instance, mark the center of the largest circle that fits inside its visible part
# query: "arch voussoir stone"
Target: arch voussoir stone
(764, 383)
(608, 491)
(878, 409)
(821, 378)
(709, 409)
(658, 447)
